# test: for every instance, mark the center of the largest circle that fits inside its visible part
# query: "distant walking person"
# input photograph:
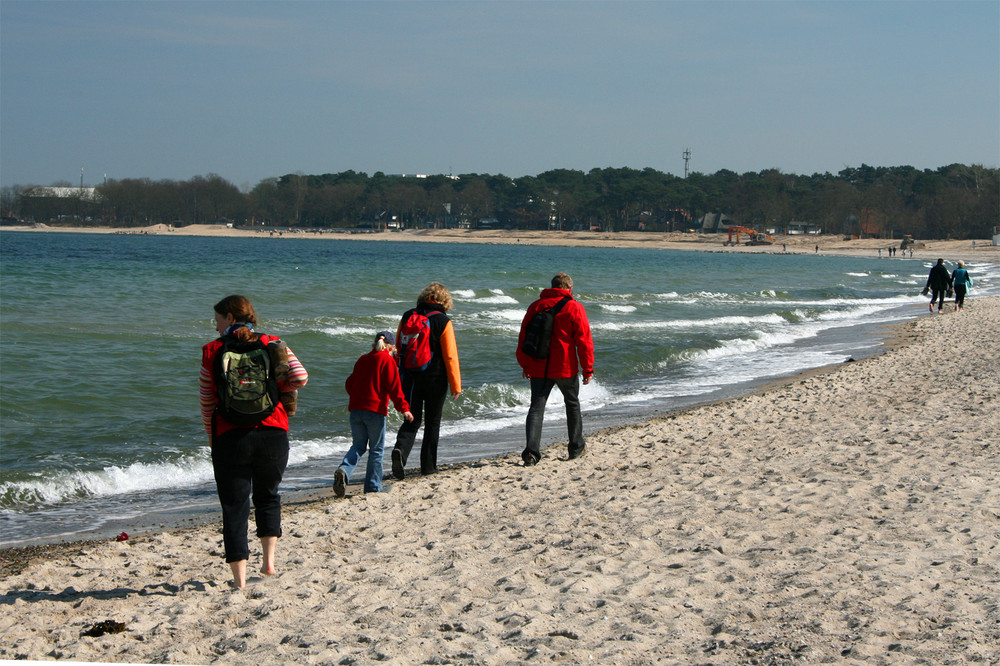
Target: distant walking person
(938, 282)
(428, 363)
(556, 360)
(372, 384)
(962, 281)
(245, 378)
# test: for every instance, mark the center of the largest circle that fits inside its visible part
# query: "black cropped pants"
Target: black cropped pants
(249, 464)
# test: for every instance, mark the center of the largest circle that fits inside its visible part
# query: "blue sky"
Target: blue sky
(252, 90)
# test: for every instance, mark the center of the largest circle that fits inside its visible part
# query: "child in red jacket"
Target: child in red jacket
(374, 381)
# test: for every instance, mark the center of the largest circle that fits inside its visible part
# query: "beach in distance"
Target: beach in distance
(794, 243)
(849, 514)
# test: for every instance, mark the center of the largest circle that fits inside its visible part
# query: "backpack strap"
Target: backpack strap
(558, 306)
(554, 310)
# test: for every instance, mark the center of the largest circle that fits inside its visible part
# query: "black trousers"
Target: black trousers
(249, 464)
(960, 295)
(426, 396)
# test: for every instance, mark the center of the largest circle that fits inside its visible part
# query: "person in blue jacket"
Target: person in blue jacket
(962, 281)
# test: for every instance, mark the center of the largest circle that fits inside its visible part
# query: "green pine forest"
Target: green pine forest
(955, 201)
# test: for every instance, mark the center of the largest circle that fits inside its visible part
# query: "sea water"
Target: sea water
(101, 335)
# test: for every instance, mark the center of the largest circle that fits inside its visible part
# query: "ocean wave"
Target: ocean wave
(713, 322)
(337, 331)
(496, 296)
(192, 469)
(188, 470)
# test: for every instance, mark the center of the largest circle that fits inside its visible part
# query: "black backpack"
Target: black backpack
(538, 332)
(244, 378)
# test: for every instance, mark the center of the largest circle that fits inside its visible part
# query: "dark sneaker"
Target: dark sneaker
(340, 483)
(397, 464)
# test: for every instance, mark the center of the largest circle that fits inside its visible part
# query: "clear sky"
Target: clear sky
(252, 90)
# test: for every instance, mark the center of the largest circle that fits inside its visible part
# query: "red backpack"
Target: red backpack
(415, 352)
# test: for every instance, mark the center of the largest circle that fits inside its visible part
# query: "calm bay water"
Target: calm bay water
(100, 339)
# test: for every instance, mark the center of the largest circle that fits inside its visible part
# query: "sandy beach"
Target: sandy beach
(849, 515)
(793, 244)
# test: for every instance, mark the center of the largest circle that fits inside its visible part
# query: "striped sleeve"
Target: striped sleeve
(297, 375)
(206, 391)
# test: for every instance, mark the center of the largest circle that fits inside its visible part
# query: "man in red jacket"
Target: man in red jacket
(570, 351)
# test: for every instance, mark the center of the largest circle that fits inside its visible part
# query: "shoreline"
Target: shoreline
(14, 558)
(847, 513)
(828, 244)
(13, 554)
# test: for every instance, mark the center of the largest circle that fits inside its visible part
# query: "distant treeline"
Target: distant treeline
(955, 201)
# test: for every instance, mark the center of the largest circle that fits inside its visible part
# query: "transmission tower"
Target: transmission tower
(687, 158)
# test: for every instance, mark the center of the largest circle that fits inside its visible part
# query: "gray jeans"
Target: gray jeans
(540, 389)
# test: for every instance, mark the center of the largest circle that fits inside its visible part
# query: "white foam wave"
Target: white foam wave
(190, 470)
(508, 315)
(496, 296)
(714, 322)
(337, 331)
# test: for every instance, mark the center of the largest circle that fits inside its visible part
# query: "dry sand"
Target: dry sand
(850, 515)
(795, 244)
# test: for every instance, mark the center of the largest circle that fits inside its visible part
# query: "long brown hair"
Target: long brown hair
(242, 310)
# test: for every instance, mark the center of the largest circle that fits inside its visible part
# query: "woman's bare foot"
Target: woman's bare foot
(267, 546)
(239, 574)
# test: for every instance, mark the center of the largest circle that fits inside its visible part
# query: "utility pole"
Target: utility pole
(687, 158)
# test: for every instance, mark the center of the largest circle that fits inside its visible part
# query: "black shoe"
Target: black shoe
(578, 454)
(397, 464)
(339, 483)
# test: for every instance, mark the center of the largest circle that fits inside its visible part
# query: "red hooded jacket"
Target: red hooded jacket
(375, 381)
(572, 348)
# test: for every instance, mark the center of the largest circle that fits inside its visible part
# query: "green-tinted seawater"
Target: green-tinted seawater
(100, 339)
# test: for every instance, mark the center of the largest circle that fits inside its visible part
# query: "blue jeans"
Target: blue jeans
(368, 431)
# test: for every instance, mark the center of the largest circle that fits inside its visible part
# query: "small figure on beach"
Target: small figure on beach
(428, 365)
(939, 282)
(247, 427)
(371, 385)
(962, 282)
(555, 361)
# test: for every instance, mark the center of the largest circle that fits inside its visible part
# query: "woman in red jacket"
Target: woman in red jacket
(248, 459)
(372, 384)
